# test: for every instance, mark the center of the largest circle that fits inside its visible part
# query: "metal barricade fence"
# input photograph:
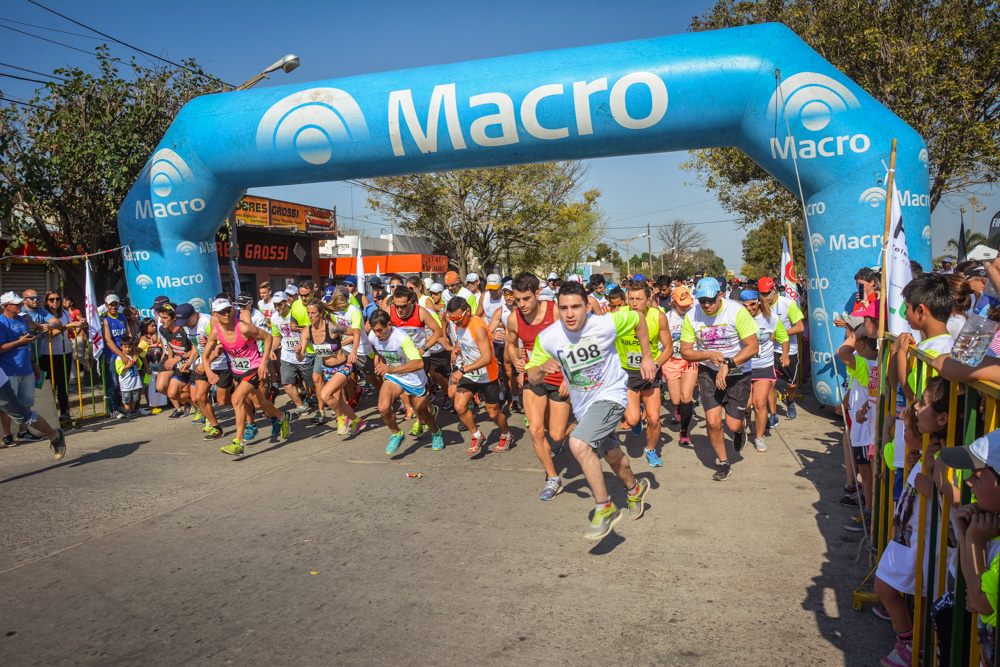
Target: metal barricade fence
(65, 360)
(974, 407)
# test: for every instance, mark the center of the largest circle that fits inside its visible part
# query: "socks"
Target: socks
(603, 505)
(477, 434)
(634, 491)
(905, 636)
(687, 412)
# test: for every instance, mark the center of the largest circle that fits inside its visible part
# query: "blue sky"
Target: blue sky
(235, 40)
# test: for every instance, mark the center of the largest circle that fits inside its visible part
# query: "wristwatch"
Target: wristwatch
(730, 363)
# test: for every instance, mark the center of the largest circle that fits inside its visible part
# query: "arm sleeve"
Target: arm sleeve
(794, 313)
(538, 355)
(687, 331)
(410, 349)
(988, 583)
(780, 333)
(745, 325)
(625, 321)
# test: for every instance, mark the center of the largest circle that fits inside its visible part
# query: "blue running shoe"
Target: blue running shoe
(395, 440)
(437, 441)
(790, 410)
(551, 489)
(653, 459)
(250, 432)
(772, 421)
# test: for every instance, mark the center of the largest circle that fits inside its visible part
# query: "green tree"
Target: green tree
(972, 239)
(67, 163)
(928, 61)
(515, 217)
(703, 261)
(762, 249)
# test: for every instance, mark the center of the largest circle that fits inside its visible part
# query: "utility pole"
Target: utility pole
(976, 208)
(649, 248)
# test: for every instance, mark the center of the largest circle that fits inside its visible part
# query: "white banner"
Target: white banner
(359, 271)
(789, 282)
(897, 269)
(93, 319)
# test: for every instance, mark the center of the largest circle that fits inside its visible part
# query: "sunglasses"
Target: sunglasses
(705, 301)
(225, 311)
(54, 298)
(31, 298)
(751, 303)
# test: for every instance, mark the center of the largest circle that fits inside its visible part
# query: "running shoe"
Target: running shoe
(341, 425)
(156, 411)
(319, 417)
(235, 448)
(58, 445)
(760, 444)
(635, 505)
(527, 424)
(395, 440)
(416, 429)
(653, 459)
(311, 403)
(437, 441)
(553, 487)
(515, 405)
(790, 410)
(475, 445)
(212, 433)
(850, 499)
(197, 417)
(300, 409)
(206, 428)
(881, 612)
(176, 414)
(505, 441)
(602, 523)
(772, 420)
(285, 426)
(684, 439)
(29, 436)
(249, 432)
(144, 412)
(723, 471)
(902, 654)
(8, 441)
(356, 426)
(859, 523)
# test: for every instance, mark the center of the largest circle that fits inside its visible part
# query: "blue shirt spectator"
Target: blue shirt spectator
(117, 327)
(15, 360)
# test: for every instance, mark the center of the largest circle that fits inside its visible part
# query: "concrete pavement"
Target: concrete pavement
(147, 545)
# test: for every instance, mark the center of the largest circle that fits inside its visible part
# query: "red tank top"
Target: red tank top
(529, 332)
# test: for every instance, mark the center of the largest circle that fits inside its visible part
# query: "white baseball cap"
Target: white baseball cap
(436, 287)
(10, 297)
(508, 286)
(472, 277)
(291, 289)
(112, 298)
(553, 276)
(278, 297)
(493, 281)
(575, 278)
(221, 304)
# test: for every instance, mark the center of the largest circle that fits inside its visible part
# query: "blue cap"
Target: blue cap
(351, 280)
(749, 295)
(184, 311)
(328, 291)
(707, 288)
(638, 276)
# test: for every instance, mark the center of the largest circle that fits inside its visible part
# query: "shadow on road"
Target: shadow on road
(108, 453)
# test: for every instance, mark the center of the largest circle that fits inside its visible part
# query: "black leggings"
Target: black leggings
(58, 371)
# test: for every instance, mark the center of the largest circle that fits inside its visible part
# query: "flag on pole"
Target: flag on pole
(378, 271)
(93, 319)
(897, 263)
(329, 271)
(789, 282)
(963, 253)
(359, 271)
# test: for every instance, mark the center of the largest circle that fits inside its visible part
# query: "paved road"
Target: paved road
(147, 545)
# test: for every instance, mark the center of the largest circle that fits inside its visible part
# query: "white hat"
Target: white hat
(436, 287)
(553, 276)
(10, 297)
(493, 281)
(981, 253)
(221, 304)
(291, 289)
(575, 278)
(508, 286)
(278, 297)
(428, 282)
(472, 277)
(112, 298)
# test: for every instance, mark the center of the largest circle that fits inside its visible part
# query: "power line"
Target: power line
(27, 104)
(24, 78)
(134, 48)
(671, 224)
(31, 71)
(44, 27)
(52, 41)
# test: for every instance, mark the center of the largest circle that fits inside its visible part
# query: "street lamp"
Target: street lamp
(628, 251)
(285, 64)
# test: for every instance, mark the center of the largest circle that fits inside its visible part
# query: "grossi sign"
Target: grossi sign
(263, 212)
(265, 249)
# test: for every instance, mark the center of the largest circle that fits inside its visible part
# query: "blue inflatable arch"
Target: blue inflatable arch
(759, 88)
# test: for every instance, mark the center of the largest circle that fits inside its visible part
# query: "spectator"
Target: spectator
(114, 328)
(128, 368)
(16, 362)
(56, 348)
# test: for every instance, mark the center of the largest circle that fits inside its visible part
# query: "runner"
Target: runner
(197, 327)
(599, 291)
(681, 375)
(425, 332)
(582, 347)
(264, 305)
(437, 359)
(616, 300)
(497, 326)
(180, 357)
(436, 294)
(476, 372)
(475, 297)
(239, 340)
(645, 394)
(794, 322)
(330, 364)
(292, 351)
(726, 338)
(762, 375)
(530, 318)
(453, 287)
(398, 361)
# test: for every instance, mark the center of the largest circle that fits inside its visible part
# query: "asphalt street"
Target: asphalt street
(147, 545)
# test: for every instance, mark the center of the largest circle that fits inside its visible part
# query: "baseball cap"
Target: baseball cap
(451, 278)
(950, 260)
(853, 321)
(508, 286)
(112, 298)
(975, 271)
(493, 281)
(328, 292)
(436, 287)
(749, 295)
(575, 278)
(707, 288)
(159, 301)
(682, 296)
(291, 289)
(217, 306)
(277, 298)
(765, 284)
(10, 297)
(984, 452)
(472, 277)
(553, 276)
(639, 277)
(184, 311)
(350, 280)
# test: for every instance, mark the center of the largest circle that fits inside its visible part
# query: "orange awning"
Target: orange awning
(418, 263)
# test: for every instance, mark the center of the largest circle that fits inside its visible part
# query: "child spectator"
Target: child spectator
(128, 366)
(929, 303)
(859, 356)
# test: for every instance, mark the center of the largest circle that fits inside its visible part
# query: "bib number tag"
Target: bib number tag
(476, 375)
(290, 343)
(240, 364)
(583, 363)
(634, 359)
(323, 349)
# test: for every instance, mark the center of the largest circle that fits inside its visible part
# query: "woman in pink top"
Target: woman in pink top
(239, 340)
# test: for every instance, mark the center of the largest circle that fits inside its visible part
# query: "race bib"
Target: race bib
(476, 375)
(240, 364)
(323, 349)
(633, 359)
(290, 344)
(583, 363)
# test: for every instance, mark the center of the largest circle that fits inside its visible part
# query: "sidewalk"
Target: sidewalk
(146, 544)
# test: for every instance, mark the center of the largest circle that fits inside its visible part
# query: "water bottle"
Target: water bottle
(977, 334)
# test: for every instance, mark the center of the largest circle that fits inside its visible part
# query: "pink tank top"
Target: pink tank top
(244, 356)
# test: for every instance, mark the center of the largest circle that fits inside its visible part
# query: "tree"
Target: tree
(604, 252)
(679, 239)
(520, 217)
(67, 162)
(762, 249)
(972, 239)
(704, 262)
(926, 60)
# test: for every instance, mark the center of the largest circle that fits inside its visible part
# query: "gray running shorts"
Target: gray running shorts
(598, 422)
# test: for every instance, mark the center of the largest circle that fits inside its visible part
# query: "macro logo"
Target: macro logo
(846, 242)
(819, 317)
(923, 157)
(907, 198)
(187, 247)
(809, 101)
(874, 197)
(817, 241)
(143, 281)
(821, 358)
(134, 255)
(167, 170)
(926, 233)
(816, 208)
(199, 304)
(310, 122)
(824, 392)
(164, 282)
